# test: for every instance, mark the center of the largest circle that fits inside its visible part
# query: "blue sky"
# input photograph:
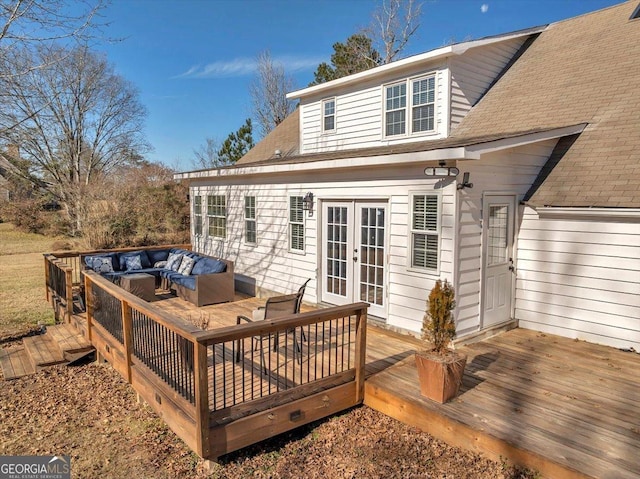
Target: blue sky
(193, 60)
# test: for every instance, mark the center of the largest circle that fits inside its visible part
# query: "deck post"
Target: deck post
(68, 273)
(360, 355)
(46, 277)
(127, 336)
(202, 399)
(88, 295)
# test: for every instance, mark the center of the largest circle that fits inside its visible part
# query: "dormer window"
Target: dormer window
(329, 115)
(421, 111)
(396, 105)
(423, 104)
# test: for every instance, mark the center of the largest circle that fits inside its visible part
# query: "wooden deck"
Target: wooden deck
(565, 408)
(568, 409)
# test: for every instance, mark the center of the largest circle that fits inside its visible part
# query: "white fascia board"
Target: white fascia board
(437, 54)
(513, 142)
(460, 153)
(587, 212)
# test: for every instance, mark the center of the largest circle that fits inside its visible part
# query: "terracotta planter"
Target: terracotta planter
(440, 377)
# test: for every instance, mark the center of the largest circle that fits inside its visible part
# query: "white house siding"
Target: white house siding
(276, 269)
(509, 171)
(473, 72)
(580, 278)
(359, 115)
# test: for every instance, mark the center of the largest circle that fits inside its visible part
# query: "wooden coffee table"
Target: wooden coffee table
(142, 285)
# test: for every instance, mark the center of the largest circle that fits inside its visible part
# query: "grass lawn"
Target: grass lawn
(22, 293)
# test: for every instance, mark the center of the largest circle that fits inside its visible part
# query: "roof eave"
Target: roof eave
(437, 54)
(472, 151)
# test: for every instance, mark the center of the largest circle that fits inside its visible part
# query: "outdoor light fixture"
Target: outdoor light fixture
(442, 171)
(307, 203)
(465, 181)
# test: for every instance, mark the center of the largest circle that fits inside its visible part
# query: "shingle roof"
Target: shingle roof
(285, 138)
(585, 69)
(581, 70)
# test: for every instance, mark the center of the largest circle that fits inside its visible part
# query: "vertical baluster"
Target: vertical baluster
(215, 375)
(342, 346)
(224, 378)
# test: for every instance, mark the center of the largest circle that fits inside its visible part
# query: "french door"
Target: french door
(354, 246)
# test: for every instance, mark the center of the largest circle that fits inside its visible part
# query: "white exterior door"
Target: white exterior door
(498, 232)
(354, 254)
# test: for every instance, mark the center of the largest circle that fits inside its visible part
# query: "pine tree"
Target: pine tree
(355, 55)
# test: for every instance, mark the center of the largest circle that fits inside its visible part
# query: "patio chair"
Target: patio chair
(275, 307)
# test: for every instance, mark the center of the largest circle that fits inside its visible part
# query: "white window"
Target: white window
(425, 231)
(250, 230)
(423, 93)
(418, 110)
(395, 109)
(296, 224)
(329, 115)
(197, 215)
(217, 215)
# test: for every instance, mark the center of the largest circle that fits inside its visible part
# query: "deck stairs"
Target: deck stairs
(60, 344)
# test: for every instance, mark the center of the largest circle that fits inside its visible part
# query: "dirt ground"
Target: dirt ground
(89, 413)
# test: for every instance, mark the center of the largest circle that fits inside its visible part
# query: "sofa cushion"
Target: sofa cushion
(209, 266)
(133, 262)
(156, 255)
(144, 259)
(186, 281)
(186, 265)
(173, 261)
(99, 264)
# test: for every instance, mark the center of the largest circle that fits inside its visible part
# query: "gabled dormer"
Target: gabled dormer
(418, 98)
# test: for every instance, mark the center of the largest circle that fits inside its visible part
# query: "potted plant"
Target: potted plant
(440, 368)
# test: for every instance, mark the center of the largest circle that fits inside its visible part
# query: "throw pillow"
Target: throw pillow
(160, 264)
(186, 265)
(100, 264)
(173, 261)
(133, 263)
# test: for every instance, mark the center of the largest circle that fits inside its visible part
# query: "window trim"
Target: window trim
(412, 231)
(386, 111)
(291, 223)
(209, 216)
(324, 115)
(409, 106)
(197, 215)
(247, 219)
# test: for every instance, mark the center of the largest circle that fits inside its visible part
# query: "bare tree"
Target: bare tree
(268, 93)
(394, 23)
(206, 155)
(73, 120)
(27, 23)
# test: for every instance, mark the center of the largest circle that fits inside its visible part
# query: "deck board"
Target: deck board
(68, 339)
(15, 363)
(573, 404)
(566, 408)
(43, 351)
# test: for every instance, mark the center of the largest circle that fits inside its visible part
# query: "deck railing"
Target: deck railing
(59, 287)
(72, 259)
(209, 385)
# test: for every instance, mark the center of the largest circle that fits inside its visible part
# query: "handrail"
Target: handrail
(73, 253)
(258, 328)
(172, 323)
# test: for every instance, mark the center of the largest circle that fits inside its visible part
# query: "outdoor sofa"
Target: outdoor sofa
(195, 277)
